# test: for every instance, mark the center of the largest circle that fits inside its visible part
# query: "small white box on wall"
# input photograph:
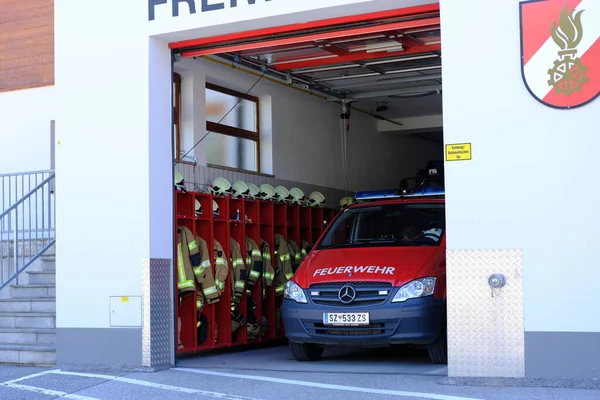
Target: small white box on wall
(126, 311)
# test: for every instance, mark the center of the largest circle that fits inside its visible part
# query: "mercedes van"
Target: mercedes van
(376, 277)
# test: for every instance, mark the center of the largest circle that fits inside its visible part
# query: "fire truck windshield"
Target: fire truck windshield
(420, 224)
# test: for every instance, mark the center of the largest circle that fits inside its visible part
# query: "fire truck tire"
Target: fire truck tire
(306, 351)
(438, 350)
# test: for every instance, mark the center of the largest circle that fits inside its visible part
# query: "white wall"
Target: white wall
(25, 133)
(531, 184)
(113, 104)
(305, 133)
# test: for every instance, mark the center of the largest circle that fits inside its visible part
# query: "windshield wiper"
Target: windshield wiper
(384, 240)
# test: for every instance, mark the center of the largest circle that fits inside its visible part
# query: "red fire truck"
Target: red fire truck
(376, 277)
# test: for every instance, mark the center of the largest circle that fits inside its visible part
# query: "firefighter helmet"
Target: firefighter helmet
(198, 208)
(216, 210)
(254, 191)
(179, 181)
(267, 192)
(316, 199)
(221, 186)
(297, 196)
(284, 194)
(240, 189)
(346, 202)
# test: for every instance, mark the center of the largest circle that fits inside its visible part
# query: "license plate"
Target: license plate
(347, 319)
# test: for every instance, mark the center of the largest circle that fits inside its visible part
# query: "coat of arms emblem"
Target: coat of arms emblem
(560, 51)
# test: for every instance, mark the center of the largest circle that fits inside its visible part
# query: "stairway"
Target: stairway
(28, 316)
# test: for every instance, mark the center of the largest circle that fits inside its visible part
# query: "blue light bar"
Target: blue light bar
(377, 194)
(427, 191)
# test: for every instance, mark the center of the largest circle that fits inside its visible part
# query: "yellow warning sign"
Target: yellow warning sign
(125, 299)
(458, 152)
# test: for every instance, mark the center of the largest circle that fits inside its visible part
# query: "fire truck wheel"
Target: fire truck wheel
(438, 350)
(306, 351)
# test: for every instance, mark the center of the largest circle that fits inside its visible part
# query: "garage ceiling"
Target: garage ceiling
(388, 60)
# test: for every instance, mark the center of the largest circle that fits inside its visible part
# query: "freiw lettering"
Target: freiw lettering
(196, 6)
(355, 270)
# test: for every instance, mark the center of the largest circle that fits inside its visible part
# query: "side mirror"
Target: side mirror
(309, 247)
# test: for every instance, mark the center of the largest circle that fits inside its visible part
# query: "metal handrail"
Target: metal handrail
(14, 185)
(43, 171)
(31, 230)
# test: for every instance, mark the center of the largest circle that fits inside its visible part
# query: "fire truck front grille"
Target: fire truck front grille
(366, 293)
(379, 328)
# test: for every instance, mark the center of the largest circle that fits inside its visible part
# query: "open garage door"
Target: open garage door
(239, 110)
(350, 58)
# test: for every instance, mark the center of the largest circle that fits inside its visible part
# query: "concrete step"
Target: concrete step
(21, 291)
(27, 320)
(42, 304)
(42, 277)
(27, 336)
(28, 355)
(48, 262)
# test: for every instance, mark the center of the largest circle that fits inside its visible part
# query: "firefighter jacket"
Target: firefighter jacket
(283, 264)
(188, 258)
(204, 274)
(304, 250)
(238, 270)
(254, 262)
(268, 271)
(221, 267)
(295, 254)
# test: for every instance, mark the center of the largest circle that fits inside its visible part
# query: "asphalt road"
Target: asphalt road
(269, 374)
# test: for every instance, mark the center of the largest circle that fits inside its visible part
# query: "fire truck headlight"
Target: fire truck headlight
(294, 292)
(418, 288)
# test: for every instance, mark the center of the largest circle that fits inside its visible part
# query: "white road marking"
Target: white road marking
(24, 378)
(49, 392)
(153, 385)
(536, 70)
(328, 386)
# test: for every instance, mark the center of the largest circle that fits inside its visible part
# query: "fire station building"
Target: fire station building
(102, 104)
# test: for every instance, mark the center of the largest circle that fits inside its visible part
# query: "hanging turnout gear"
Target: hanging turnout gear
(238, 270)
(188, 258)
(202, 328)
(295, 254)
(254, 262)
(253, 325)
(221, 267)
(204, 274)
(283, 264)
(304, 250)
(179, 342)
(267, 265)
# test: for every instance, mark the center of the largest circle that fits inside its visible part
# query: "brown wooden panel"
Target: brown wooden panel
(26, 44)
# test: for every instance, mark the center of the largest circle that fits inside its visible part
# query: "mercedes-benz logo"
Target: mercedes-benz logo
(347, 294)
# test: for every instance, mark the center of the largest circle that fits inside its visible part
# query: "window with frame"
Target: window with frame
(232, 120)
(177, 115)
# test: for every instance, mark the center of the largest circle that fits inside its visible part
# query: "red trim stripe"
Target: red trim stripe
(303, 26)
(318, 36)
